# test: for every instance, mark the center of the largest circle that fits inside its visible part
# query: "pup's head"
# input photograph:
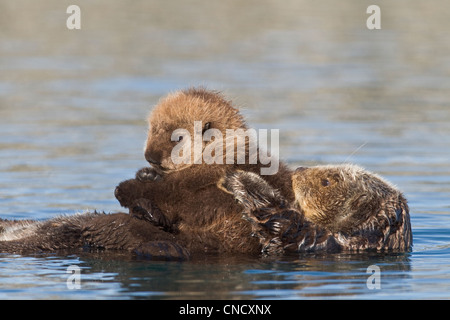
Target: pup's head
(179, 118)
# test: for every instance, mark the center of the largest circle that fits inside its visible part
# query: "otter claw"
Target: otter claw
(140, 213)
(144, 210)
(147, 174)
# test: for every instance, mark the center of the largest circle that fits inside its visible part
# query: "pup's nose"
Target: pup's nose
(300, 169)
(151, 159)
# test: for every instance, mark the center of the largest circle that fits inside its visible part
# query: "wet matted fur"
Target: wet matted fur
(336, 208)
(204, 217)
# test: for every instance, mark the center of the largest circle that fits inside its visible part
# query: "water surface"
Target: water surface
(73, 105)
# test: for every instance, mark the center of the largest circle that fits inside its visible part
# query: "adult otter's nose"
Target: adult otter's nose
(300, 170)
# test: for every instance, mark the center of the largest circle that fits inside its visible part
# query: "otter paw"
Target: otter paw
(251, 190)
(147, 174)
(128, 191)
(120, 196)
(144, 209)
(273, 247)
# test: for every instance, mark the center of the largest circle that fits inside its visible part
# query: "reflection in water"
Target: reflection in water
(105, 276)
(72, 126)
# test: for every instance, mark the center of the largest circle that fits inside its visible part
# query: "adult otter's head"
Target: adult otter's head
(178, 123)
(344, 197)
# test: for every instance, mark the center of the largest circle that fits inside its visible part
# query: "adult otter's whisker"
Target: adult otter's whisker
(354, 152)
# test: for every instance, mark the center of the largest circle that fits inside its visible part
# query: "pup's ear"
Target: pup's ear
(252, 191)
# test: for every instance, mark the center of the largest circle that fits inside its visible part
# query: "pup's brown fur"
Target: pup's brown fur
(204, 217)
(336, 208)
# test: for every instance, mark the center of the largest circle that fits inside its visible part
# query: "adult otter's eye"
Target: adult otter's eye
(325, 182)
(179, 138)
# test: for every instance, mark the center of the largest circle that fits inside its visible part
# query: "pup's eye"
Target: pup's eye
(206, 127)
(325, 182)
(179, 138)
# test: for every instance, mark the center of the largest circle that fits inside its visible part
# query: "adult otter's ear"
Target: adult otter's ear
(352, 215)
(359, 202)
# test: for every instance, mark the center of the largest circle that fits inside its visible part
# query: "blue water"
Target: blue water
(72, 126)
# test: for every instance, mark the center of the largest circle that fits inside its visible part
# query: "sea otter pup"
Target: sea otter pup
(90, 231)
(204, 217)
(336, 208)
